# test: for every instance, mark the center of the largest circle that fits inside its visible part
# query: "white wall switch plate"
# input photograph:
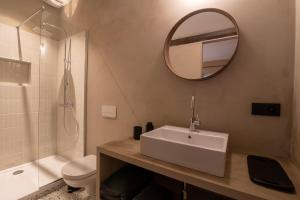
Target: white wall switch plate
(109, 111)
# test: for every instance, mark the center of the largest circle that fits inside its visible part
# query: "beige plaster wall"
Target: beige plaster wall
(296, 109)
(126, 68)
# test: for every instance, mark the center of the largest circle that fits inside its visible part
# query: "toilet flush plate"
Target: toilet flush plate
(109, 111)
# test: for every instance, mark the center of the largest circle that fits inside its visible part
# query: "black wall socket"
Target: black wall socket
(266, 109)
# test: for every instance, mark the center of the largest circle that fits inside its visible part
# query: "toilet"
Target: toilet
(81, 173)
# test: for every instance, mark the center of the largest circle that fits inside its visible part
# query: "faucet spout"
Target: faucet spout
(195, 118)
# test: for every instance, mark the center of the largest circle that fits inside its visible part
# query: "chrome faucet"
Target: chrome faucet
(195, 118)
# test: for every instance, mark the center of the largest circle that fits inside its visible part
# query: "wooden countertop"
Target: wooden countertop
(236, 183)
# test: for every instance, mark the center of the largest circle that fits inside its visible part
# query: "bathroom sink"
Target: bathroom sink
(204, 151)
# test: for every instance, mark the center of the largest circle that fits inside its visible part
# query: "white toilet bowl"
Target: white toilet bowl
(81, 173)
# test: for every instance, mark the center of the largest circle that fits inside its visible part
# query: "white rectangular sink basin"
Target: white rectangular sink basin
(204, 151)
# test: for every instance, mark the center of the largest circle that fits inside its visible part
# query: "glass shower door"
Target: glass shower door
(61, 95)
(49, 163)
(19, 107)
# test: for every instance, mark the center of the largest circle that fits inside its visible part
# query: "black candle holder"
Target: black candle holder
(137, 132)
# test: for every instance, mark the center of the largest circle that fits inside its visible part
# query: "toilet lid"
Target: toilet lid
(80, 168)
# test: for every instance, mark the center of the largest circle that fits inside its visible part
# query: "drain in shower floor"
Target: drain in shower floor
(18, 172)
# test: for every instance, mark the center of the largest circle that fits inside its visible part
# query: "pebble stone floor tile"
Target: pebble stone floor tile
(62, 194)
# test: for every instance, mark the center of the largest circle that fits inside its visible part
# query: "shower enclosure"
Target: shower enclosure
(42, 100)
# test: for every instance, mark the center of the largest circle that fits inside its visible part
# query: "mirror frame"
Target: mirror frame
(181, 21)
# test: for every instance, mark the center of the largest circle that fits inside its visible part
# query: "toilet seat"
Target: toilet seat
(79, 169)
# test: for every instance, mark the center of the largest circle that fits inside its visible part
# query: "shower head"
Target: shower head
(42, 32)
(57, 3)
(55, 27)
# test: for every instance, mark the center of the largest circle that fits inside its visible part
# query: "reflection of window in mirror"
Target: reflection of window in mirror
(186, 59)
(217, 53)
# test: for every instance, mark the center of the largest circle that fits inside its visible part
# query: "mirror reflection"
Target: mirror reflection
(201, 44)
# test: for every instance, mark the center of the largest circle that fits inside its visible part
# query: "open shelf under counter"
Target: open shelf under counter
(236, 184)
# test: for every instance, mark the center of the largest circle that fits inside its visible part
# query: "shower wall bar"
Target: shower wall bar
(18, 30)
(31, 16)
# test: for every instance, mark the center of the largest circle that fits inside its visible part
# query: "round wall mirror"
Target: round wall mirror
(201, 44)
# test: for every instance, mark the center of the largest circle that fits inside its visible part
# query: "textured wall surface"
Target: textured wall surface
(127, 69)
(296, 109)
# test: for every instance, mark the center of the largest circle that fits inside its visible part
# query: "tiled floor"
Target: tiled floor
(62, 194)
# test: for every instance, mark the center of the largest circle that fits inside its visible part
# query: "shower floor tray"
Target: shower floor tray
(23, 180)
